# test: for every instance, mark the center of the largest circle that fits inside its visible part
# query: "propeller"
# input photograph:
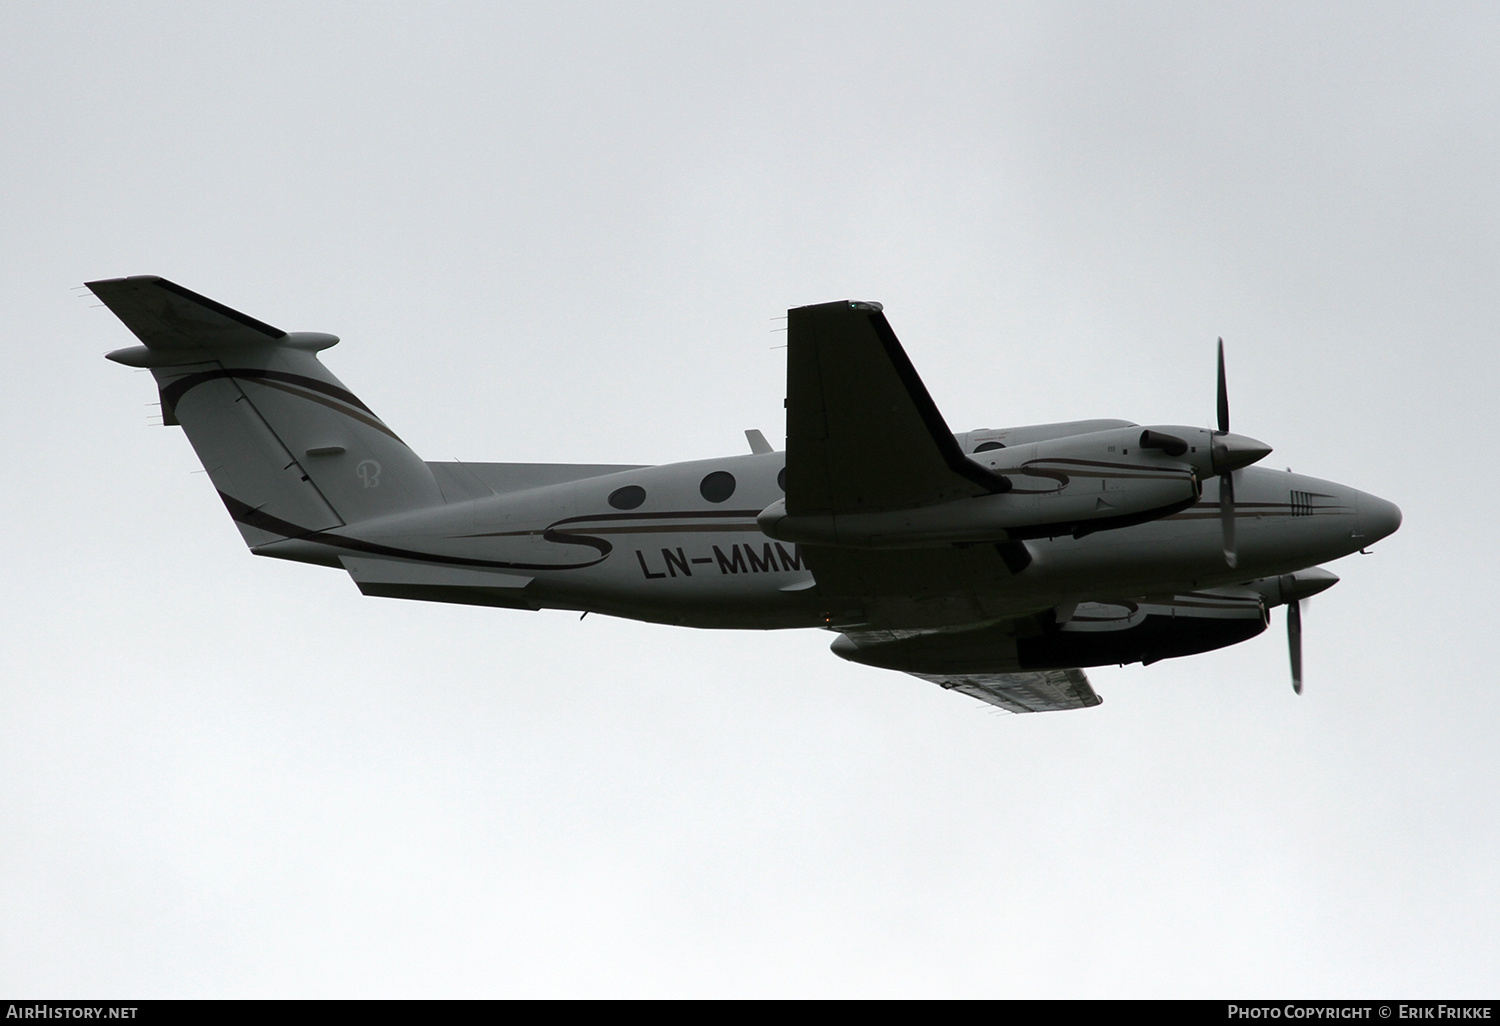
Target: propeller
(1230, 453)
(1226, 479)
(1294, 641)
(1293, 589)
(1223, 393)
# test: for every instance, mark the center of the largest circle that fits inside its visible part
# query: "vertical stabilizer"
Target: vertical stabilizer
(289, 448)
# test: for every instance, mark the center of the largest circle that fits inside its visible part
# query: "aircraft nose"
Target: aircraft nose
(1376, 517)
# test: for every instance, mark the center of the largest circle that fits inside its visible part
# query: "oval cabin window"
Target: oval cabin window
(718, 486)
(628, 497)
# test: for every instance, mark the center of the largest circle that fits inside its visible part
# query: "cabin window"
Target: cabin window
(628, 497)
(718, 486)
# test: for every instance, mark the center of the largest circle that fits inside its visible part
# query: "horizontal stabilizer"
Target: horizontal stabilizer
(166, 316)
(395, 579)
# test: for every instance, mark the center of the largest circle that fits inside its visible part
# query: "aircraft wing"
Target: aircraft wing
(1033, 691)
(862, 432)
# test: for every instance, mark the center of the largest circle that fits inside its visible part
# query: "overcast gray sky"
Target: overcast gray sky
(560, 233)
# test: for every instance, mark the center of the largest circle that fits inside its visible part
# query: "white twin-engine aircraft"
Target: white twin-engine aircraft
(995, 563)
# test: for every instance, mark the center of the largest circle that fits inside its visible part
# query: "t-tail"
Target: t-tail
(290, 449)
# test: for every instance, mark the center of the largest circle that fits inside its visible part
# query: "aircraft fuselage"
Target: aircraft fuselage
(679, 558)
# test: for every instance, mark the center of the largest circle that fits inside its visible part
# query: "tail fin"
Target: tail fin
(289, 448)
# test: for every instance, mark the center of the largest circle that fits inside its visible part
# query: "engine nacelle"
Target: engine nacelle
(1065, 486)
(1205, 451)
(1090, 634)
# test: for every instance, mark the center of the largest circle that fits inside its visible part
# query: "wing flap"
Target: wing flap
(1033, 691)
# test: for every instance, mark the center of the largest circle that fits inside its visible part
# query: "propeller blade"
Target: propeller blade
(1226, 517)
(1226, 479)
(1294, 642)
(1223, 394)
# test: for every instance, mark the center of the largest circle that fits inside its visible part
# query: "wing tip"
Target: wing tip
(111, 284)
